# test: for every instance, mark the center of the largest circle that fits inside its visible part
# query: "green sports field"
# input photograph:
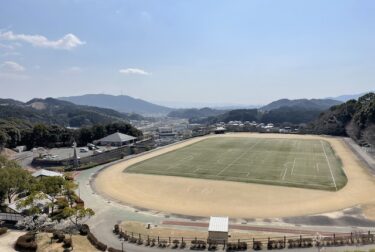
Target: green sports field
(287, 162)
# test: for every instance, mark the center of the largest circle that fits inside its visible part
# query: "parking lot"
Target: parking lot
(64, 153)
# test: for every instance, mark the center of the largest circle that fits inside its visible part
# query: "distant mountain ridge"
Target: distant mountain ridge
(63, 113)
(345, 98)
(195, 113)
(121, 103)
(312, 104)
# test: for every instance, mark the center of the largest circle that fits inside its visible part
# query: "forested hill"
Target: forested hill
(43, 122)
(122, 103)
(305, 104)
(53, 111)
(355, 118)
(195, 113)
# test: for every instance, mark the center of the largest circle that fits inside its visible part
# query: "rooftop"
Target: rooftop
(46, 173)
(218, 224)
(117, 137)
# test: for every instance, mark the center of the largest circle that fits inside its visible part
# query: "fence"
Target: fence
(10, 217)
(296, 241)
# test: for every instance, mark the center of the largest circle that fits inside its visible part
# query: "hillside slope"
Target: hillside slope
(353, 118)
(122, 103)
(53, 111)
(195, 113)
(313, 104)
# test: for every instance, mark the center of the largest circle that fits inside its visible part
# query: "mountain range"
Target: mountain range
(63, 113)
(121, 103)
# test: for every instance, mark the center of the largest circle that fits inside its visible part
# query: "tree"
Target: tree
(78, 214)
(14, 180)
(40, 135)
(69, 191)
(31, 203)
(4, 138)
(52, 186)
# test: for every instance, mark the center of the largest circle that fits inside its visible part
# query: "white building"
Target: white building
(218, 229)
(116, 139)
(46, 173)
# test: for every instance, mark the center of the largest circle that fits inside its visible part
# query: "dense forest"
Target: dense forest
(353, 118)
(43, 122)
(63, 113)
(291, 115)
(14, 133)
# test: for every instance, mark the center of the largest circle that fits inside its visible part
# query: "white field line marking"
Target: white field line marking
(329, 165)
(238, 158)
(317, 167)
(294, 163)
(286, 169)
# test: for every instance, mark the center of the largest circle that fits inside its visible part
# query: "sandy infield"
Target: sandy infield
(199, 197)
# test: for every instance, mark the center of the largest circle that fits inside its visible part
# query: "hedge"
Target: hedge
(3, 230)
(84, 230)
(97, 244)
(110, 249)
(26, 243)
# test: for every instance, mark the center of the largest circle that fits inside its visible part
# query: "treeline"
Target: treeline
(15, 133)
(195, 113)
(353, 118)
(282, 115)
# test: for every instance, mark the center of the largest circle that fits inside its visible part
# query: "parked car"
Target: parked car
(83, 150)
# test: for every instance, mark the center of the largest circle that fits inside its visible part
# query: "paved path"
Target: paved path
(107, 213)
(8, 240)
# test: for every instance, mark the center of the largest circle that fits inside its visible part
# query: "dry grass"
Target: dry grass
(80, 243)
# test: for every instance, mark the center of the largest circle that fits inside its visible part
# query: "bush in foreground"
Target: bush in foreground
(26, 243)
(3, 230)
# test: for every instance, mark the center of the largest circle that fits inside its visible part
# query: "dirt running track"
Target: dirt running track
(199, 197)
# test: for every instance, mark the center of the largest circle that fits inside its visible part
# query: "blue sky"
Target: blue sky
(215, 52)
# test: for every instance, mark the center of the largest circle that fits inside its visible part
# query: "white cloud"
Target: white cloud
(10, 70)
(69, 41)
(11, 66)
(130, 71)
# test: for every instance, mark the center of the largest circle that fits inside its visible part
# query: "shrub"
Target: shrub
(58, 235)
(3, 230)
(97, 244)
(257, 245)
(175, 243)
(26, 243)
(68, 242)
(84, 229)
(183, 245)
(116, 229)
(110, 249)
(101, 246)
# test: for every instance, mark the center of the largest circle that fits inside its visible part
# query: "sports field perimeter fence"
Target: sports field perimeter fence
(255, 243)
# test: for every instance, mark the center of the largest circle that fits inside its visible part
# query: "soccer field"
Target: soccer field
(287, 162)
